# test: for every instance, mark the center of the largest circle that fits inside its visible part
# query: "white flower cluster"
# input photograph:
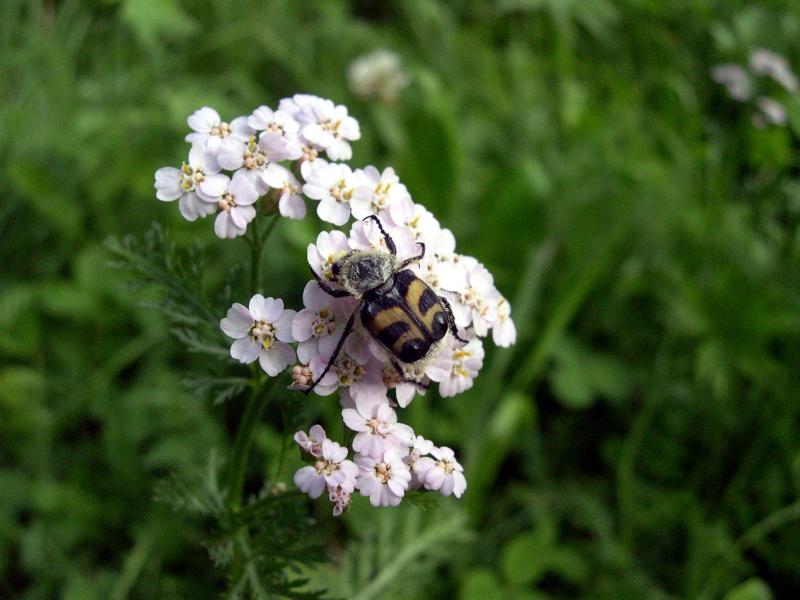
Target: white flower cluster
(742, 82)
(379, 74)
(232, 164)
(390, 460)
(276, 156)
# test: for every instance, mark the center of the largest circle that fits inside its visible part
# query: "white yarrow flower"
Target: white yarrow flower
(378, 74)
(444, 473)
(333, 185)
(290, 202)
(181, 184)
(311, 442)
(262, 331)
(377, 427)
(329, 126)
(384, 479)
(329, 470)
(234, 198)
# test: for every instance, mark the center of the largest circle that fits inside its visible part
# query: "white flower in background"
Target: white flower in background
(328, 126)
(234, 198)
(262, 331)
(333, 185)
(376, 191)
(378, 74)
(504, 332)
(456, 366)
(329, 470)
(772, 112)
(330, 247)
(311, 443)
(735, 79)
(181, 184)
(444, 473)
(320, 324)
(290, 202)
(768, 63)
(384, 479)
(210, 129)
(377, 427)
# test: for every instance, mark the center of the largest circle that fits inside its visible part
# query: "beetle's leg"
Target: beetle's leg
(404, 379)
(413, 259)
(328, 289)
(386, 237)
(348, 329)
(451, 319)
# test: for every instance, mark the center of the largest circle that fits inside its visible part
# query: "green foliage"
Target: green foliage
(641, 440)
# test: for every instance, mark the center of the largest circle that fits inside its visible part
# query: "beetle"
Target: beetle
(397, 308)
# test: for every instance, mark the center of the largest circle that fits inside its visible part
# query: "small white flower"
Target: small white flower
(456, 366)
(279, 133)
(340, 498)
(445, 474)
(383, 479)
(419, 221)
(292, 106)
(210, 129)
(333, 185)
(330, 470)
(366, 235)
(480, 297)
(404, 391)
(735, 79)
(376, 191)
(290, 203)
(766, 62)
(330, 247)
(304, 376)
(311, 443)
(377, 427)
(319, 326)
(173, 184)
(504, 332)
(416, 461)
(329, 126)
(234, 198)
(245, 156)
(262, 331)
(772, 111)
(378, 74)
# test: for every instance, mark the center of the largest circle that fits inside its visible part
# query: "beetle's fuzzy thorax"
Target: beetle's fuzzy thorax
(359, 271)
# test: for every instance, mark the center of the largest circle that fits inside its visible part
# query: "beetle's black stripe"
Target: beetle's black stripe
(427, 300)
(403, 280)
(389, 335)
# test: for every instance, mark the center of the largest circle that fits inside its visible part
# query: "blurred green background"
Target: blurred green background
(641, 440)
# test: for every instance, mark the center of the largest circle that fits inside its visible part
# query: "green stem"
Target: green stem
(244, 439)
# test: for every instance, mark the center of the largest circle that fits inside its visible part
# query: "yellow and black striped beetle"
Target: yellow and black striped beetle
(397, 308)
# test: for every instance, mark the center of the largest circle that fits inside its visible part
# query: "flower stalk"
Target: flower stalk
(254, 410)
